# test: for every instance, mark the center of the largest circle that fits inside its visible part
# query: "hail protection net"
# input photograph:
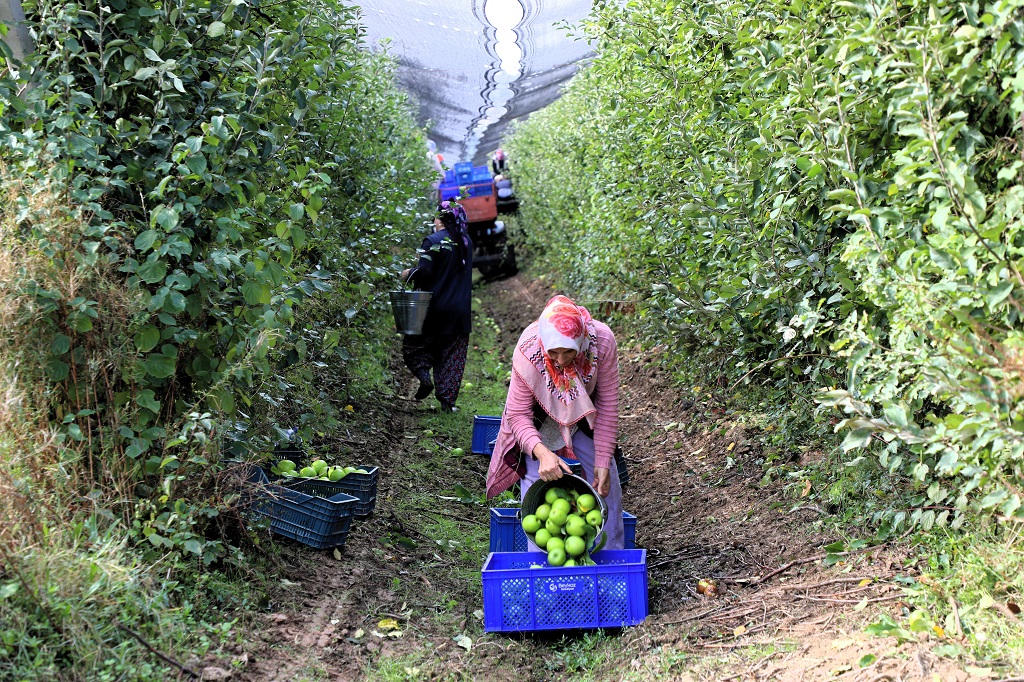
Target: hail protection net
(475, 66)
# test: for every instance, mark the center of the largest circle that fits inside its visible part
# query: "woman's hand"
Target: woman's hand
(405, 274)
(551, 465)
(602, 482)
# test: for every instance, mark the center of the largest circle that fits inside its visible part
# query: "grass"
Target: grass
(980, 570)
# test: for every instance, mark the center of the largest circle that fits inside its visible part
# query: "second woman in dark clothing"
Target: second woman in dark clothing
(445, 269)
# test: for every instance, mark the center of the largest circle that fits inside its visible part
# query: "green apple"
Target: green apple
(542, 538)
(575, 525)
(558, 516)
(562, 505)
(531, 524)
(574, 546)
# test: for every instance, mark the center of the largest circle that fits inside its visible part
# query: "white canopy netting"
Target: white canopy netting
(475, 66)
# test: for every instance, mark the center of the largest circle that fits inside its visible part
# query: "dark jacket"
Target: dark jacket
(443, 273)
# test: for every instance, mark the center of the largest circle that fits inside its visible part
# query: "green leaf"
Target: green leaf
(858, 438)
(57, 370)
(152, 271)
(147, 338)
(216, 29)
(147, 399)
(998, 294)
(296, 211)
(159, 366)
(896, 414)
(146, 239)
(255, 293)
(61, 344)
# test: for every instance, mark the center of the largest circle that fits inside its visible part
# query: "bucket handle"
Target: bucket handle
(408, 278)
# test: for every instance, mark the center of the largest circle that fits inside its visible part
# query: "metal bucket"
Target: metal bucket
(535, 497)
(410, 309)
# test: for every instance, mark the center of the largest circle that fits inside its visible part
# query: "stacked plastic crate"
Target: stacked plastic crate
(311, 511)
(523, 593)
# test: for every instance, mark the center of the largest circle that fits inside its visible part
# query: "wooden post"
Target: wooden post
(18, 37)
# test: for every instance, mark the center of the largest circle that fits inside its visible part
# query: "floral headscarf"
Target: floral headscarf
(563, 392)
(461, 224)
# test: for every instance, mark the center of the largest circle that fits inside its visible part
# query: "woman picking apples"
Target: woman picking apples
(563, 400)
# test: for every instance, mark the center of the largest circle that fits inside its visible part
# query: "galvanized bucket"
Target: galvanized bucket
(535, 497)
(410, 309)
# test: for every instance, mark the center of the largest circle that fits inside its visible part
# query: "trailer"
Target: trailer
(493, 252)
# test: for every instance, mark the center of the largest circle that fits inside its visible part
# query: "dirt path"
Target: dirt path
(405, 590)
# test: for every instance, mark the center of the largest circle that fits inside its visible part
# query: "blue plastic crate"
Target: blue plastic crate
(623, 473)
(485, 431)
(463, 167)
(518, 598)
(575, 465)
(479, 190)
(361, 486)
(320, 522)
(481, 174)
(507, 534)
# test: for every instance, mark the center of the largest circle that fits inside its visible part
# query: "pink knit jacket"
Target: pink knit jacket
(518, 434)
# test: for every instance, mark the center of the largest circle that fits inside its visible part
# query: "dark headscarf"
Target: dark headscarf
(455, 220)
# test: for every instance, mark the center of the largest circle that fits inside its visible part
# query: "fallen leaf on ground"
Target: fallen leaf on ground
(388, 624)
(980, 672)
(739, 631)
(337, 554)
(464, 641)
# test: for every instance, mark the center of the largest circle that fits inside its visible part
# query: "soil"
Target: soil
(776, 611)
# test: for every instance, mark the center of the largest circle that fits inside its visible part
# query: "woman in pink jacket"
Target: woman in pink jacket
(563, 400)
